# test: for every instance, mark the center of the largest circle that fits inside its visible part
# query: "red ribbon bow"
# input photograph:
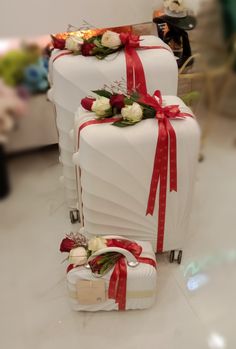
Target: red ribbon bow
(166, 150)
(118, 280)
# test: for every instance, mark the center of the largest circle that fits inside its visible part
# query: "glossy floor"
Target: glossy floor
(196, 303)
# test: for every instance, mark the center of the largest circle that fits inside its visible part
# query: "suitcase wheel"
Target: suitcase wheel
(74, 216)
(175, 256)
(172, 256)
(179, 258)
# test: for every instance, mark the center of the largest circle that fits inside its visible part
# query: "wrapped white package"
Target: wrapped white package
(73, 78)
(115, 167)
(90, 293)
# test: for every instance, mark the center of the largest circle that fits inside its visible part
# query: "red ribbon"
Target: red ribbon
(166, 151)
(61, 55)
(118, 281)
(134, 69)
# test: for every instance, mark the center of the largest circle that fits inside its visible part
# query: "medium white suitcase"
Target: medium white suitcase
(73, 77)
(115, 168)
(88, 292)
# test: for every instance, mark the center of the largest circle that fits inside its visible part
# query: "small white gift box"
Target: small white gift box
(130, 284)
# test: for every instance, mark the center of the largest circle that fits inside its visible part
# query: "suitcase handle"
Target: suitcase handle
(131, 260)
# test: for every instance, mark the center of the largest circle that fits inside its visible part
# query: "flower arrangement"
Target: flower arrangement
(114, 100)
(100, 45)
(80, 249)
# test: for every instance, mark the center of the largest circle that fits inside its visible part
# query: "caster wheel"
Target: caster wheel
(74, 216)
(179, 258)
(172, 256)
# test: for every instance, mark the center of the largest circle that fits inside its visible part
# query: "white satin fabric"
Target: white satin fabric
(141, 285)
(74, 77)
(116, 166)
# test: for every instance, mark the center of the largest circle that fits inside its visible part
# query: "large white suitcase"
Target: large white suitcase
(73, 77)
(87, 292)
(115, 167)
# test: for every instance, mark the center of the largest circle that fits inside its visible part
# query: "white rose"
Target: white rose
(101, 106)
(73, 43)
(111, 39)
(78, 256)
(96, 244)
(133, 113)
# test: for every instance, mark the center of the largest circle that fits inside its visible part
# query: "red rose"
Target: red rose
(58, 42)
(87, 49)
(87, 103)
(67, 245)
(118, 101)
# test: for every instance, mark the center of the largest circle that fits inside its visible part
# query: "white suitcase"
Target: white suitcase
(73, 77)
(87, 292)
(114, 173)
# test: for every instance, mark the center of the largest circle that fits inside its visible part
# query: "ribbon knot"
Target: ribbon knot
(130, 40)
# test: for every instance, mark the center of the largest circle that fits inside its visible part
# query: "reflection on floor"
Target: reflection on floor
(196, 305)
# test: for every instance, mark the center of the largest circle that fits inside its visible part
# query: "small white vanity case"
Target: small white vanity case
(73, 77)
(88, 292)
(115, 168)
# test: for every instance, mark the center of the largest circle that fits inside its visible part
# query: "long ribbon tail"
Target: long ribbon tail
(172, 156)
(163, 191)
(156, 168)
(112, 290)
(122, 285)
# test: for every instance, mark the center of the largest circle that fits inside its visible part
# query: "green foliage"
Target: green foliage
(124, 123)
(103, 93)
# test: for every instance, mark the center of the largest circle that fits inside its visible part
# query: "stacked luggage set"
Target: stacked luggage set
(107, 170)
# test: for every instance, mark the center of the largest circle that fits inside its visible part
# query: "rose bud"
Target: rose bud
(118, 101)
(87, 103)
(67, 245)
(70, 267)
(87, 49)
(58, 42)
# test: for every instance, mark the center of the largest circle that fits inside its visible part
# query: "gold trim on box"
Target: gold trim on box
(129, 294)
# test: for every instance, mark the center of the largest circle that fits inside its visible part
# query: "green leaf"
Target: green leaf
(98, 43)
(124, 123)
(128, 101)
(103, 93)
(135, 96)
(149, 113)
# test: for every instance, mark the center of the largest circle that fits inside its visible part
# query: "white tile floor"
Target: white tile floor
(196, 305)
